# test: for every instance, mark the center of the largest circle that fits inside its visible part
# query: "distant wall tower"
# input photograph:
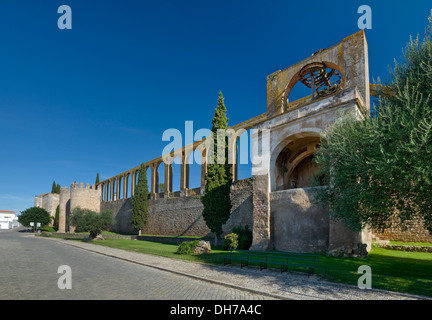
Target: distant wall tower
(49, 202)
(77, 196)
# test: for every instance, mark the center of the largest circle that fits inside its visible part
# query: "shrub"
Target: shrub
(187, 247)
(231, 242)
(244, 237)
(91, 221)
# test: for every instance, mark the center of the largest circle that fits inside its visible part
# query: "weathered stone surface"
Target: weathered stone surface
(414, 231)
(298, 225)
(48, 201)
(261, 214)
(203, 247)
(349, 251)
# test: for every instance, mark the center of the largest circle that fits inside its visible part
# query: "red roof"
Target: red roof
(2, 211)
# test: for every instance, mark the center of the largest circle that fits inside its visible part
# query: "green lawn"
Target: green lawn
(409, 272)
(162, 249)
(402, 271)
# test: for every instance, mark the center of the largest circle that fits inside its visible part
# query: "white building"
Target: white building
(8, 220)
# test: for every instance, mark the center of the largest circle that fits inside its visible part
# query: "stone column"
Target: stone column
(125, 186)
(203, 169)
(171, 170)
(111, 189)
(184, 176)
(233, 161)
(106, 186)
(118, 189)
(153, 181)
(261, 239)
(133, 182)
(167, 180)
(261, 214)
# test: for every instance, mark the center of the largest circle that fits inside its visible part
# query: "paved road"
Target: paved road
(29, 265)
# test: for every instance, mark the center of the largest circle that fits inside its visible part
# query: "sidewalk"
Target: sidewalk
(268, 282)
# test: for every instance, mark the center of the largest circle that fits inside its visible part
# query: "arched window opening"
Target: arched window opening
(294, 167)
(193, 172)
(160, 178)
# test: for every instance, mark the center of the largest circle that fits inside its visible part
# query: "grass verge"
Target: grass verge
(407, 272)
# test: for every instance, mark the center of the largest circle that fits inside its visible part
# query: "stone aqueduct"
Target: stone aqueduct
(276, 203)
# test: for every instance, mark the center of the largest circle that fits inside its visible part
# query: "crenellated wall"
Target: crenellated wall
(78, 196)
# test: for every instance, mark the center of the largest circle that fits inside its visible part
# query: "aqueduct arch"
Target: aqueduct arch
(285, 216)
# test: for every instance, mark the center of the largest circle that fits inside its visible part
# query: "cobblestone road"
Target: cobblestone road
(28, 270)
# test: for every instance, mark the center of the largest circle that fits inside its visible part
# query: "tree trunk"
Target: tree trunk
(96, 235)
(216, 240)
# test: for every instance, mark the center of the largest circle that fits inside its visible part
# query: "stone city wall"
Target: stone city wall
(415, 232)
(182, 216)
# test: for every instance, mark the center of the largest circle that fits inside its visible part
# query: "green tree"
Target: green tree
(97, 178)
(380, 170)
(91, 221)
(140, 201)
(216, 198)
(34, 214)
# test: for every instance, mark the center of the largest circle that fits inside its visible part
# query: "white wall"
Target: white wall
(6, 220)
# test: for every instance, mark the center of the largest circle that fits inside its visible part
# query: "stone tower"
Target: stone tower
(285, 217)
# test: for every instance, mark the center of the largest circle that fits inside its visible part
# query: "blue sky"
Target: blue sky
(97, 98)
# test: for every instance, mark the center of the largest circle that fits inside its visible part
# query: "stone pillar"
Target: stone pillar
(106, 185)
(184, 176)
(118, 188)
(233, 161)
(261, 213)
(203, 169)
(125, 186)
(187, 175)
(133, 183)
(153, 182)
(114, 189)
(167, 180)
(171, 170)
(261, 239)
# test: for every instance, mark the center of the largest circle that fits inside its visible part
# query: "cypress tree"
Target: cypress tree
(140, 201)
(216, 198)
(97, 178)
(54, 187)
